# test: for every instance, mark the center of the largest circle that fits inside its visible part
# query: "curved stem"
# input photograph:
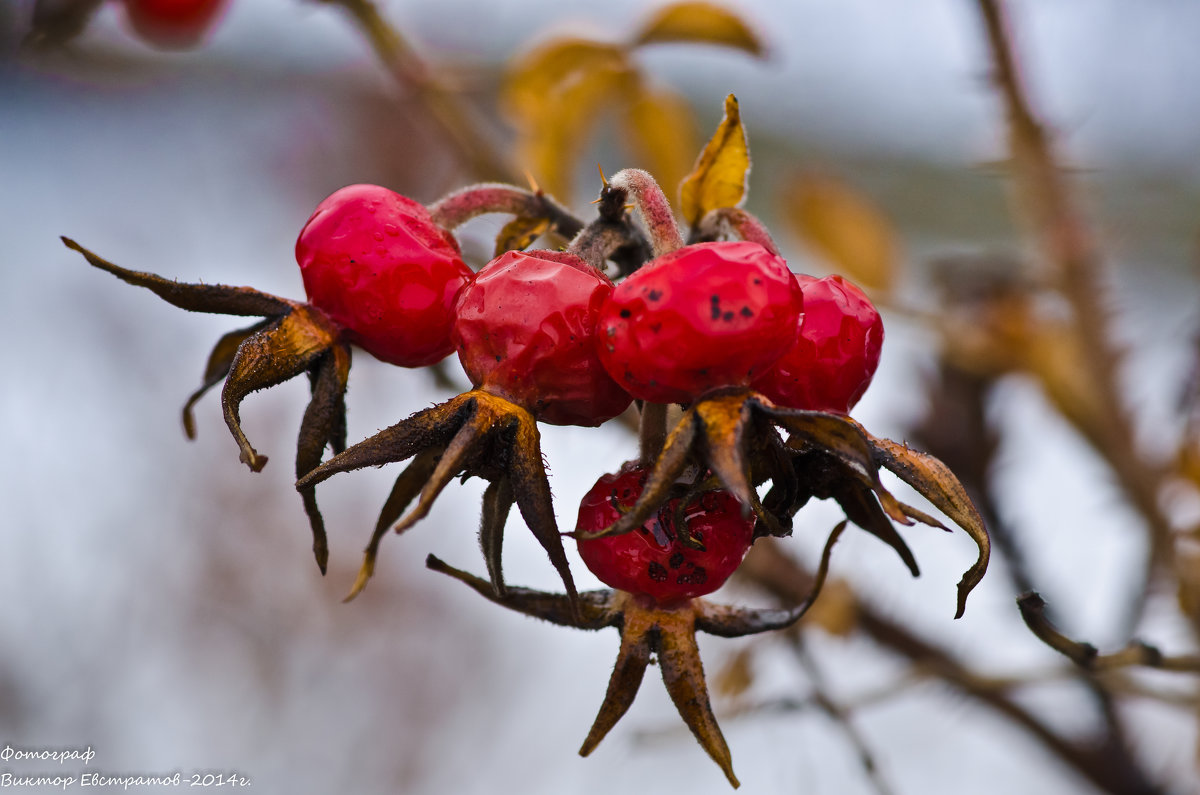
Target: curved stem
(655, 209)
(455, 209)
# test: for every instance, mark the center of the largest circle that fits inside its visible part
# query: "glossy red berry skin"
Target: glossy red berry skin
(173, 24)
(705, 316)
(379, 267)
(836, 353)
(525, 329)
(650, 561)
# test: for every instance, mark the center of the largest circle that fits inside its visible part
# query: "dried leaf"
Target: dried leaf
(846, 228)
(702, 23)
(1054, 354)
(519, 233)
(719, 176)
(544, 71)
(662, 130)
(736, 676)
(836, 612)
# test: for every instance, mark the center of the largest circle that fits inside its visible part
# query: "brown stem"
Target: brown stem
(652, 432)
(445, 107)
(455, 209)
(654, 207)
(1109, 765)
(1046, 202)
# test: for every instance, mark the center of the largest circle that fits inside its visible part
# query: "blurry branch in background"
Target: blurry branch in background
(1104, 760)
(1083, 381)
(1085, 655)
(837, 713)
(477, 152)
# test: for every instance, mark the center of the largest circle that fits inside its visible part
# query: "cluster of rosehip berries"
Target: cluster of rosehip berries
(549, 332)
(765, 364)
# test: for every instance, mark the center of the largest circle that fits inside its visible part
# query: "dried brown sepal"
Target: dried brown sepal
(217, 299)
(934, 481)
(56, 22)
(649, 632)
(737, 622)
(596, 608)
(293, 338)
(284, 349)
(477, 435)
(404, 491)
(219, 362)
(324, 424)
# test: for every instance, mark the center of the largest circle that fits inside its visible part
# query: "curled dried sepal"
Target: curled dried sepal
(735, 435)
(475, 434)
(293, 338)
(648, 632)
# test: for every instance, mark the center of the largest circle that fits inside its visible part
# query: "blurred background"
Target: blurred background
(161, 604)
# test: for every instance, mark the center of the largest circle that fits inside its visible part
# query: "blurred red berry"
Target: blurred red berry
(704, 316)
(651, 561)
(173, 24)
(379, 267)
(525, 331)
(836, 353)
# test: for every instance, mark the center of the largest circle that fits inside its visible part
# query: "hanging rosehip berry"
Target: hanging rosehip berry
(836, 353)
(378, 266)
(173, 24)
(525, 329)
(661, 560)
(704, 316)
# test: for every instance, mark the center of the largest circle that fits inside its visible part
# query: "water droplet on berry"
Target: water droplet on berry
(378, 236)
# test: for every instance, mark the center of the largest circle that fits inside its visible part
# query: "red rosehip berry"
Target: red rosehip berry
(704, 316)
(525, 329)
(651, 561)
(173, 24)
(379, 267)
(836, 353)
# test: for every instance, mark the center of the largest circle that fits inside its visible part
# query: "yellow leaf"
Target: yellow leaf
(556, 95)
(844, 227)
(719, 176)
(836, 611)
(736, 676)
(518, 233)
(663, 132)
(702, 23)
(534, 77)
